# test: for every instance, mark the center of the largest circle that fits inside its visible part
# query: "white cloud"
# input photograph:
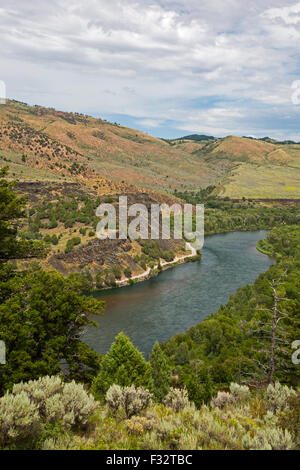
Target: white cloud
(156, 61)
(290, 15)
(149, 122)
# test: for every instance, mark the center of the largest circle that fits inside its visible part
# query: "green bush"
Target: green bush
(116, 270)
(168, 255)
(54, 240)
(128, 272)
(110, 279)
(161, 372)
(123, 365)
(100, 279)
(71, 243)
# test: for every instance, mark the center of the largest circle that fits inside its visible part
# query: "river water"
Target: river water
(181, 297)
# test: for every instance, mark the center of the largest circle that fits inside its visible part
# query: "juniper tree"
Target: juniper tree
(123, 365)
(42, 318)
(161, 372)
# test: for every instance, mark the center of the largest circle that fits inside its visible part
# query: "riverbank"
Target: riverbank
(225, 343)
(162, 266)
(150, 273)
(179, 298)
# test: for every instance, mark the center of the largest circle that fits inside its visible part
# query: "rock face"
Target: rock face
(48, 217)
(38, 190)
(97, 251)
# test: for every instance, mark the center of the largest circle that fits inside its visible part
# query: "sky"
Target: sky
(169, 68)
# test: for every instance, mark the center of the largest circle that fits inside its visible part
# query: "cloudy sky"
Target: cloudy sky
(168, 67)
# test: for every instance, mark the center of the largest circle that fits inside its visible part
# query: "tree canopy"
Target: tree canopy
(123, 365)
(42, 314)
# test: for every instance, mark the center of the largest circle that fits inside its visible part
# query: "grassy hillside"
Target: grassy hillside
(42, 144)
(78, 146)
(253, 168)
(258, 181)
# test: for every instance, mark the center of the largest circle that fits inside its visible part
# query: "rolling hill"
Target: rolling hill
(253, 168)
(74, 146)
(43, 144)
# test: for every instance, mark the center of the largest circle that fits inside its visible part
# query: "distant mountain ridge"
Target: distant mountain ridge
(196, 137)
(201, 137)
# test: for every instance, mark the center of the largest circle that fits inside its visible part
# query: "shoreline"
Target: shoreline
(164, 266)
(146, 275)
(153, 272)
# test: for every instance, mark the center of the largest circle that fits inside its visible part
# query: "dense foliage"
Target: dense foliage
(225, 215)
(68, 211)
(41, 320)
(235, 343)
(51, 415)
(249, 217)
(42, 314)
(195, 379)
(161, 372)
(12, 208)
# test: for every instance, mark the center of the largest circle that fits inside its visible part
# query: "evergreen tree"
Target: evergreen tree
(42, 314)
(161, 372)
(12, 208)
(199, 385)
(42, 317)
(123, 365)
(182, 354)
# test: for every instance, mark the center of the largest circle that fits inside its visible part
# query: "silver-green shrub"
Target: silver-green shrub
(57, 401)
(222, 399)
(268, 439)
(78, 405)
(177, 399)
(25, 411)
(19, 418)
(277, 396)
(114, 398)
(40, 391)
(239, 392)
(132, 400)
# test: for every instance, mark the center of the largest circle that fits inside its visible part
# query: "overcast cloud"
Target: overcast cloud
(167, 67)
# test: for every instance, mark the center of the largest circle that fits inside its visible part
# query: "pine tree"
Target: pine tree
(123, 365)
(161, 372)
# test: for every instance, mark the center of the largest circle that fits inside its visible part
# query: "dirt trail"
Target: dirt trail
(146, 273)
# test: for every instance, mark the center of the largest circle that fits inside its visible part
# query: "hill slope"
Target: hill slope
(254, 168)
(42, 144)
(75, 145)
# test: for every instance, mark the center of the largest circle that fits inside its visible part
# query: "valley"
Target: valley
(196, 333)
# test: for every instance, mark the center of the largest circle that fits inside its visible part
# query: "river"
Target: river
(181, 297)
